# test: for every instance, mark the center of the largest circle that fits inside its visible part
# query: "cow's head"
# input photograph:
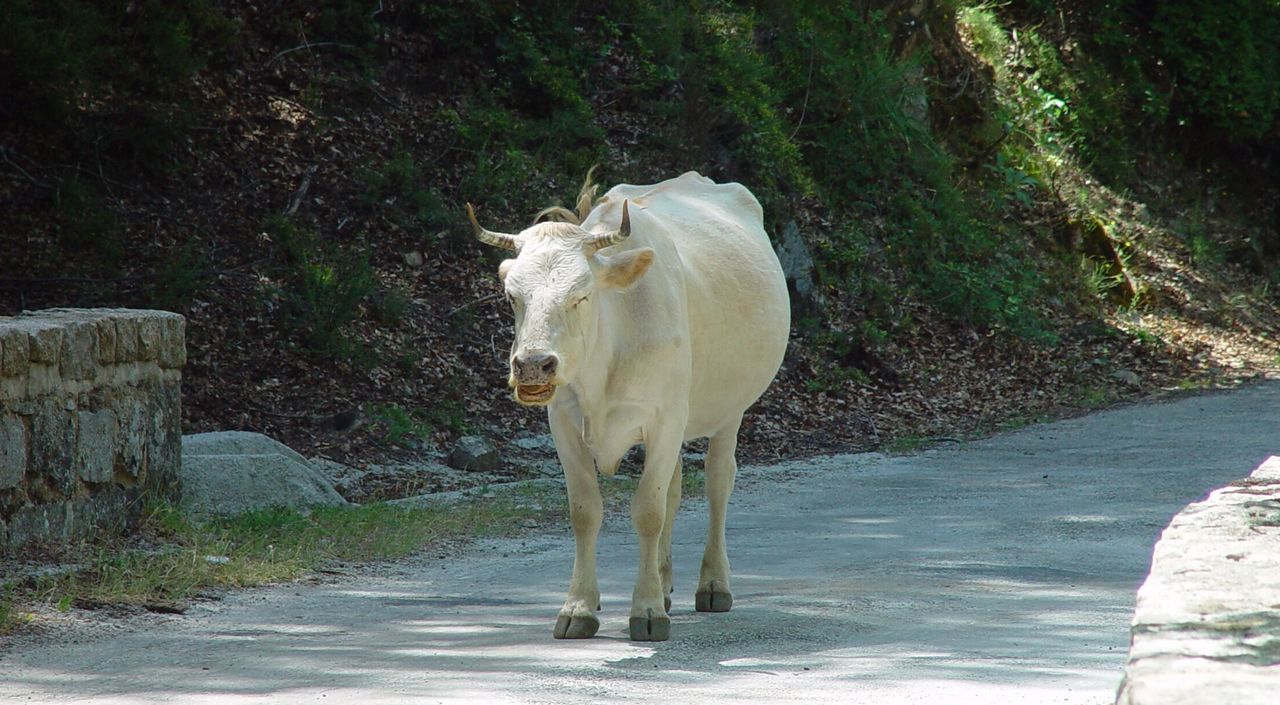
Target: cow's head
(552, 284)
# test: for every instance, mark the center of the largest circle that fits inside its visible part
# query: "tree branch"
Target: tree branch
(301, 193)
(308, 45)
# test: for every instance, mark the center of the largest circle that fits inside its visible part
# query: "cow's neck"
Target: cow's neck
(589, 389)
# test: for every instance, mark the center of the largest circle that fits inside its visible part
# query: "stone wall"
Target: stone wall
(90, 420)
(1206, 629)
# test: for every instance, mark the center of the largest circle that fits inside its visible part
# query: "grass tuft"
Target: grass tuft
(260, 548)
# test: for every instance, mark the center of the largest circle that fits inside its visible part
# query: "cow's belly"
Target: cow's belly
(735, 364)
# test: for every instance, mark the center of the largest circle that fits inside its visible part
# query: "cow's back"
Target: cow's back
(738, 308)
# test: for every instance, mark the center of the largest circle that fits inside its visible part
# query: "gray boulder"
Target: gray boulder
(236, 443)
(475, 453)
(233, 472)
(797, 266)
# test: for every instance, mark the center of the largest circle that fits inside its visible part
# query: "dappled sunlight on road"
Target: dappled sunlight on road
(1000, 572)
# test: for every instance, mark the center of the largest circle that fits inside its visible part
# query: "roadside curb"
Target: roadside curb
(1206, 629)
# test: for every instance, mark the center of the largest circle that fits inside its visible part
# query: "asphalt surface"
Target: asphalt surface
(1000, 571)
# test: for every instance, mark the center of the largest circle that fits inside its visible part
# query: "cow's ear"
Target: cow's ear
(624, 269)
(504, 268)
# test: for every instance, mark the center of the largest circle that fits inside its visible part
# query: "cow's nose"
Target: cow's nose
(536, 365)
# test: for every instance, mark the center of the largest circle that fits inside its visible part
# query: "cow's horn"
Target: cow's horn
(606, 239)
(488, 237)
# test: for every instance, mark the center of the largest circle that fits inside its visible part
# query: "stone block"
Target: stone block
(13, 451)
(96, 445)
(53, 437)
(131, 415)
(173, 345)
(105, 353)
(150, 331)
(126, 340)
(164, 442)
(15, 350)
(1206, 626)
(111, 510)
(79, 355)
(26, 526)
(45, 340)
(41, 524)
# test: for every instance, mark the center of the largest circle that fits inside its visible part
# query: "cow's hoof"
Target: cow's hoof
(713, 601)
(583, 627)
(650, 628)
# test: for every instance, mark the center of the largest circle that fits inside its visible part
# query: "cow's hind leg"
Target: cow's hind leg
(713, 584)
(673, 505)
(577, 619)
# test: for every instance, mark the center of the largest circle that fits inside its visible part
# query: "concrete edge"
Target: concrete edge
(1206, 627)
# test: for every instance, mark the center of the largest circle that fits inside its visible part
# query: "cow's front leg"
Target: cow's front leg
(577, 618)
(649, 509)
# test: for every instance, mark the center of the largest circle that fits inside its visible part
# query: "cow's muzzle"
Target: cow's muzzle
(533, 375)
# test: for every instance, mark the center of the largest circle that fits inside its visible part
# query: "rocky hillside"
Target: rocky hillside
(1011, 212)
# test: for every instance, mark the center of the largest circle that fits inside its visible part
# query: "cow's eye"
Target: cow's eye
(580, 300)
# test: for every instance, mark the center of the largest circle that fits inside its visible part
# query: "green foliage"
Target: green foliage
(341, 27)
(178, 278)
(990, 40)
(113, 78)
(10, 616)
(803, 100)
(526, 115)
(400, 427)
(398, 188)
(408, 427)
(512, 149)
(733, 89)
(1225, 57)
(842, 349)
(1202, 64)
(323, 288)
(390, 306)
(87, 229)
(255, 548)
(1099, 278)
(808, 100)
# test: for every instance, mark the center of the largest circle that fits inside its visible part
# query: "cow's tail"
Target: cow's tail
(586, 201)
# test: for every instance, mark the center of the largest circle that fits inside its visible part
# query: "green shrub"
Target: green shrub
(322, 288)
(178, 278)
(405, 427)
(1200, 64)
(398, 188)
(390, 306)
(323, 297)
(400, 426)
(88, 231)
(113, 78)
(1224, 58)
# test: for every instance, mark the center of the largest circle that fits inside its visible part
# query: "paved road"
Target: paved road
(1002, 571)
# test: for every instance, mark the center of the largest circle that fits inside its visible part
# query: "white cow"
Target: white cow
(659, 319)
